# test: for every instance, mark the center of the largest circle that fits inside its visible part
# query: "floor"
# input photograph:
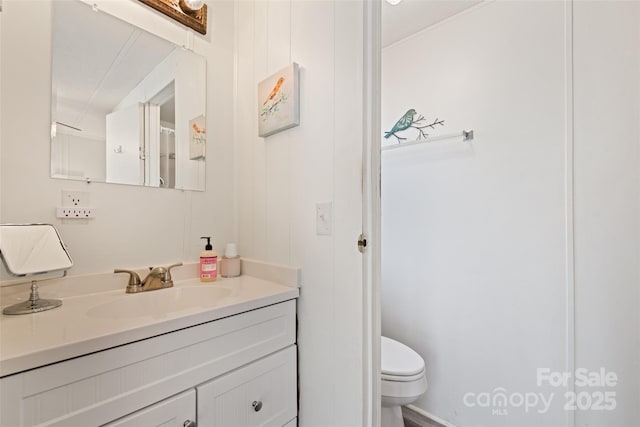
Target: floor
(414, 419)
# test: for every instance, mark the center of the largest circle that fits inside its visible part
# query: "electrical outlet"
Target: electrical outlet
(73, 212)
(75, 198)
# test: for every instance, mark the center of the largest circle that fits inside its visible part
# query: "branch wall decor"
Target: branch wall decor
(181, 12)
(412, 120)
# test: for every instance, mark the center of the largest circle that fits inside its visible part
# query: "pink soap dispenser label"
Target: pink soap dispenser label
(209, 267)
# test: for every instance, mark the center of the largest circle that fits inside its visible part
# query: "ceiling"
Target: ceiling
(410, 16)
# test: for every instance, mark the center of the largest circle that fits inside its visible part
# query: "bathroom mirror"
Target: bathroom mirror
(128, 107)
(28, 249)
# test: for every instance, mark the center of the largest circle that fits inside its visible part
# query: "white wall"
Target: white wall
(607, 200)
(476, 275)
(78, 156)
(135, 226)
(280, 179)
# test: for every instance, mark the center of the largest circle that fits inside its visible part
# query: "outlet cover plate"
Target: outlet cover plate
(75, 198)
(75, 212)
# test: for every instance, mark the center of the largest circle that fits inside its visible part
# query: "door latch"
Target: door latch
(362, 243)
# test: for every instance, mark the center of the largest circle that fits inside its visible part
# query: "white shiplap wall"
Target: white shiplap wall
(520, 250)
(607, 201)
(281, 178)
(473, 269)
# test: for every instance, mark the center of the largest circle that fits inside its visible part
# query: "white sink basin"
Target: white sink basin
(161, 302)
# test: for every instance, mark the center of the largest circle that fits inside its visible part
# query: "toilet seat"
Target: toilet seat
(399, 362)
(403, 378)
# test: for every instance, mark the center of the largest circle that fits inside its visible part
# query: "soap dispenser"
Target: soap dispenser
(208, 262)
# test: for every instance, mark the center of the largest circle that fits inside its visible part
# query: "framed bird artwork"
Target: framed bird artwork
(197, 138)
(279, 101)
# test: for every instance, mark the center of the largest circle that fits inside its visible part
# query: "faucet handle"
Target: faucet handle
(134, 279)
(168, 277)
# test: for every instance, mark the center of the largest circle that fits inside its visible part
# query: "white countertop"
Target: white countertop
(84, 325)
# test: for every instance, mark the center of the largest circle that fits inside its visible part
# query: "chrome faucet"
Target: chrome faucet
(158, 278)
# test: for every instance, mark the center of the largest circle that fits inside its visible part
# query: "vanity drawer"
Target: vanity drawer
(95, 389)
(262, 393)
(177, 411)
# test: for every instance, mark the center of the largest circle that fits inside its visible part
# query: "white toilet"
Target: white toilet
(403, 380)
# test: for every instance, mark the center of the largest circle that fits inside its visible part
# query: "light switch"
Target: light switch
(324, 219)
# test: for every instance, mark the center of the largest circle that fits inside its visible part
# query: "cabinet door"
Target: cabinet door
(263, 393)
(176, 411)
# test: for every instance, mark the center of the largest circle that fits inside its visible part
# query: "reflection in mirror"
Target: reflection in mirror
(32, 249)
(28, 250)
(127, 106)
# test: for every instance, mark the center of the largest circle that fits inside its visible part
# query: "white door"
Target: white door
(125, 145)
(371, 212)
(152, 145)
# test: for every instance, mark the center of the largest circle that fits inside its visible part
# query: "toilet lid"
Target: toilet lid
(399, 360)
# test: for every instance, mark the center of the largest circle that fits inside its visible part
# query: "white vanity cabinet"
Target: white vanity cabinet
(210, 373)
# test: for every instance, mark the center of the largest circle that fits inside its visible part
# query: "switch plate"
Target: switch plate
(324, 218)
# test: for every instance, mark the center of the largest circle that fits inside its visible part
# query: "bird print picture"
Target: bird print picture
(279, 101)
(197, 138)
(412, 125)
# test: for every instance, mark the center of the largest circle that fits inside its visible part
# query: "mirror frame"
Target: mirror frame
(178, 10)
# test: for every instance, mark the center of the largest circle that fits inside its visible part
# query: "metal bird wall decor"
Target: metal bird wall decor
(412, 120)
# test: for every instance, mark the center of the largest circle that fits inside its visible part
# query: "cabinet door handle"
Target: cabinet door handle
(189, 423)
(257, 405)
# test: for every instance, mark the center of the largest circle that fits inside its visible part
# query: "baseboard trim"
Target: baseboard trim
(418, 413)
